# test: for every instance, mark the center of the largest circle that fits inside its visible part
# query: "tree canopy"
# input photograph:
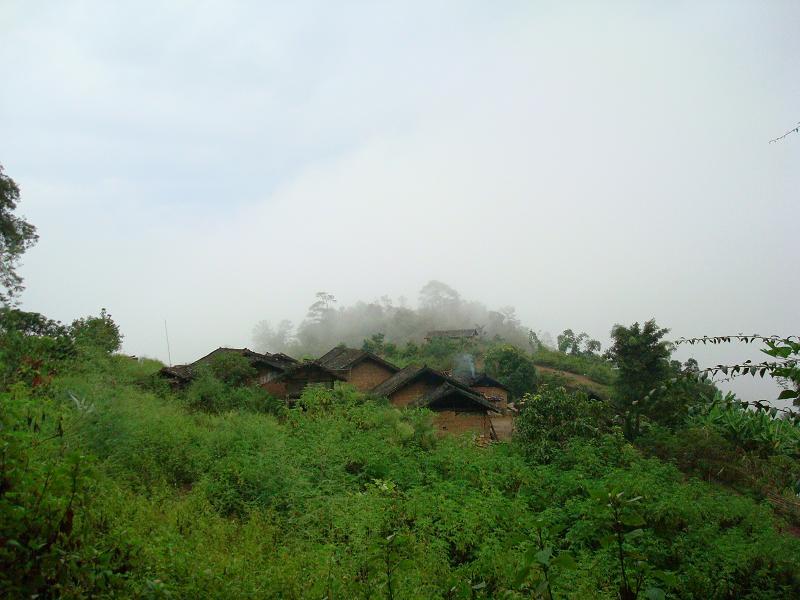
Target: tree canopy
(641, 356)
(16, 236)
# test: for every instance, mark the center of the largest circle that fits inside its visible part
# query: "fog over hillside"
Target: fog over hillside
(440, 307)
(217, 165)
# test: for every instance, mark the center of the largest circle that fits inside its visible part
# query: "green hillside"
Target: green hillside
(115, 486)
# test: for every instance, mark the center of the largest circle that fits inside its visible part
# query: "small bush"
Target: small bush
(232, 369)
(512, 367)
(553, 416)
(209, 394)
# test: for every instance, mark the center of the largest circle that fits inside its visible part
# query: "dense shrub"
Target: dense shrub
(233, 369)
(99, 334)
(50, 545)
(209, 394)
(346, 496)
(32, 347)
(512, 367)
(551, 417)
(755, 431)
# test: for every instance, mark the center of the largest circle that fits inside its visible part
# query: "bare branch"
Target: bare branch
(795, 130)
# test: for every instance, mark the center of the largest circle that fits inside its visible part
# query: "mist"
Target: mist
(216, 166)
(439, 307)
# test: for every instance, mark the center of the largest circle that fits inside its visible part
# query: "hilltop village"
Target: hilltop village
(462, 402)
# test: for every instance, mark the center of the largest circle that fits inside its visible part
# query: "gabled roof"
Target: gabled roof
(411, 373)
(399, 380)
(484, 380)
(447, 389)
(280, 356)
(305, 365)
(279, 362)
(341, 358)
(253, 357)
(181, 372)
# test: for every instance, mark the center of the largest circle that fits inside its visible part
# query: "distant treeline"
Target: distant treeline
(440, 307)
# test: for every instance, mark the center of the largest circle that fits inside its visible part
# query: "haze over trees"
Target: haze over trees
(328, 324)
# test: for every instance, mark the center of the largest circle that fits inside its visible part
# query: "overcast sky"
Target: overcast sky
(217, 163)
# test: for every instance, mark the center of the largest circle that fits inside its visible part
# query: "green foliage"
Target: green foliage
(542, 563)
(784, 366)
(552, 417)
(593, 367)
(232, 369)
(346, 496)
(375, 344)
(210, 394)
(437, 353)
(16, 236)
(757, 431)
(32, 347)
(705, 453)
(619, 516)
(49, 544)
(512, 367)
(641, 357)
(227, 383)
(577, 345)
(96, 334)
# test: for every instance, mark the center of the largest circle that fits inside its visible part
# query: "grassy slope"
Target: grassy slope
(573, 381)
(242, 505)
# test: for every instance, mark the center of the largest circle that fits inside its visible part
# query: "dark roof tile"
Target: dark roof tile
(342, 358)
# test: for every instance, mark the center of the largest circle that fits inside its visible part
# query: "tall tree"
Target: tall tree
(16, 236)
(566, 340)
(438, 295)
(641, 356)
(269, 339)
(322, 307)
(513, 367)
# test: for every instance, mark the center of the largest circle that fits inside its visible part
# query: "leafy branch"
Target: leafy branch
(622, 517)
(784, 350)
(540, 561)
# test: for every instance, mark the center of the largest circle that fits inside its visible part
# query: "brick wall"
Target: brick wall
(276, 388)
(409, 393)
(367, 374)
(503, 426)
(451, 422)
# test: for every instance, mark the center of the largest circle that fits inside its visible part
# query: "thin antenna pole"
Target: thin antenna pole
(169, 354)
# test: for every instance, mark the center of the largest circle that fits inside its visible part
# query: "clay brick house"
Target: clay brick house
(177, 376)
(267, 366)
(458, 408)
(292, 381)
(493, 390)
(279, 374)
(362, 369)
